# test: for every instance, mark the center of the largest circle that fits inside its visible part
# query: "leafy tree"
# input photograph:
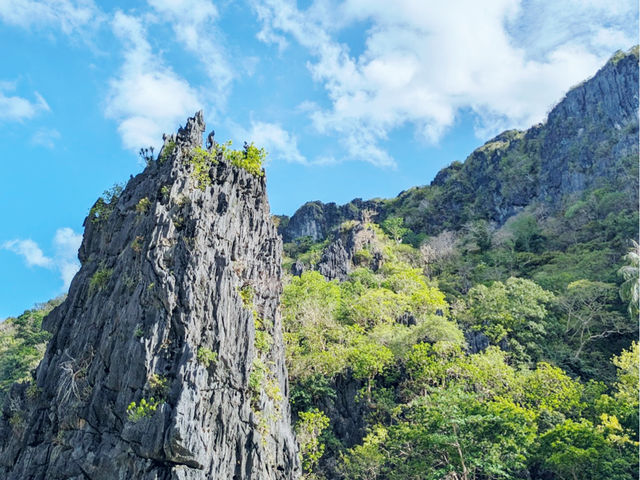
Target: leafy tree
(308, 430)
(503, 308)
(580, 451)
(365, 461)
(368, 360)
(452, 434)
(548, 387)
(588, 314)
(630, 289)
(394, 227)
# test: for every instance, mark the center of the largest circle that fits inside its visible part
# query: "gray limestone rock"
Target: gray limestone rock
(177, 278)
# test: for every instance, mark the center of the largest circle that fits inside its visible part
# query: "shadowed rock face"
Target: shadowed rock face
(157, 298)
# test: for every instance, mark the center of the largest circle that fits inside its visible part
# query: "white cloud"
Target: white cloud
(15, 108)
(193, 22)
(424, 62)
(147, 98)
(68, 15)
(66, 244)
(31, 252)
(279, 143)
(45, 137)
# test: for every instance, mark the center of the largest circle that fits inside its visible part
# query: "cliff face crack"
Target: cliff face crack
(156, 296)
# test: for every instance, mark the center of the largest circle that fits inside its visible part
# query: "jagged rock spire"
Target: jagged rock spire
(153, 370)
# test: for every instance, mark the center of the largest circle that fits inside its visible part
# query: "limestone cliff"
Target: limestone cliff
(166, 360)
(589, 140)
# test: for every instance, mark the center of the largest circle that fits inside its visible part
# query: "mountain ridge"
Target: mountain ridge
(536, 158)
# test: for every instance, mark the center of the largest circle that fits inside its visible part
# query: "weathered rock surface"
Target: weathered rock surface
(348, 249)
(590, 140)
(158, 297)
(317, 219)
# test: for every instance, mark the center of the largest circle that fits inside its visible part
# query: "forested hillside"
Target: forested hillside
(483, 326)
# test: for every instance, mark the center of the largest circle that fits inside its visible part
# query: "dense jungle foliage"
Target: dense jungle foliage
(481, 353)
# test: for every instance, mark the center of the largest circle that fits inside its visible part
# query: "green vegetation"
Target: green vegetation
(167, 152)
(202, 161)
(143, 206)
(146, 154)
(144, 409)
(99, 279)
(546, 388)
(308, 430)
(250, 158)
(22, 344)
(158, 385)
(206, 356)
(136, 245)
(101, 210)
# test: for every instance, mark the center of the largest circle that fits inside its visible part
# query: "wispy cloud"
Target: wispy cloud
(147, 98)
(67, 15)
(15, 108)
(45, 137)
(194, 23)
(65, 242)
(31, 252)
(424, 62)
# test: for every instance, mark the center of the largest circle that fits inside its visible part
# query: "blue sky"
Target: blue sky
(360, 98)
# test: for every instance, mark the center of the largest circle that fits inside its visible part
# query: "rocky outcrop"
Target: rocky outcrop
(317, 220)
(591, 136)
(352, 246)
(590, 140)
(166, 360)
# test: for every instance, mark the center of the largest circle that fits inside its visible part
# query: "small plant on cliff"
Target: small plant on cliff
(103, 207)
(136, 245)
(246, 294)
(143, 206)
(144, 409)
(99, 279)
(146, 154)
(264, 340)
(167, 151)
(159, 384)
(250, 158)
(202, 162)
(206, 356)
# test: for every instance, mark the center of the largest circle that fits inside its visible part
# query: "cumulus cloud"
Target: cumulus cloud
(66, 243)
(279, 143)
(147, 98)
(422, 63)
(15, 108)
(67, 15)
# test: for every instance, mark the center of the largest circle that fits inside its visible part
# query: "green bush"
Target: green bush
(250, 158)
(100, 279)
(102, 209)
(206, 356)
(167, 151)
(143, 206)
(202, 161)
(144, 409)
